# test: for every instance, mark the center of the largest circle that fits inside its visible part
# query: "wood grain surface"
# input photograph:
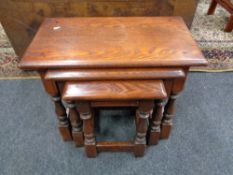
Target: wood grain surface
(112, 42)
(114, 74)
(114, 90)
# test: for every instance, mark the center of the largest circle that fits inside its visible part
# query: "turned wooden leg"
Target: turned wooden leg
(63, 121)
(76, 124)
(88, 129)
(229, 26)
(154, 131)
(143, 114)
(212, 7)
(167, 119)
(169, 111)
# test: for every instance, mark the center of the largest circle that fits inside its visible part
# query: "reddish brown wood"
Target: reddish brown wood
(22, 18)
(168, 116)
(176, 87)
(63, 121)
(226, 4)
(115, 146)
(114, 74)
(143, 113)
(123, 74)
(114, 103)
(88, 129)
(101, 43)
(155, 123)
(144, 110)
(229, 26)
(115, 90)
(49, 85)
(168, 86)
(212, 7)
(76, 123)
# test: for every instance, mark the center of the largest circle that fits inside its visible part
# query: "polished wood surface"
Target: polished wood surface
(114, 74)
(114, 90)
(22, 18)
(101, 55)
(145, 92)
(112, 42)
(227, 4)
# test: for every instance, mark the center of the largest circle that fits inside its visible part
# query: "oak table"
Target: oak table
(145, 94)
(114, 47)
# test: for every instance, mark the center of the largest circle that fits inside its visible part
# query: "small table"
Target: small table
(119, 45)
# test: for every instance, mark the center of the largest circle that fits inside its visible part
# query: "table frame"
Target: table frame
(173, 88)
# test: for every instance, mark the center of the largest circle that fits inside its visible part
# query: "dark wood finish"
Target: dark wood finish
(227, 4)
(143, 113)
(126, 44)
(114, 74)
(88, 129)
(229, 26)
(49, 86)
(168, 86)
(22, 18)
(105, 74)
(150, 41)
(155, 123)
(145, 107)
(168, 116)
(176, 88)
(118, 103)
(212, 7)
(63, 121)
(124, 146)
(114, 90)
(76, 123)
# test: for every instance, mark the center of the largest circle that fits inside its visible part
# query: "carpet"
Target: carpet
(200, 143)
(217, 46)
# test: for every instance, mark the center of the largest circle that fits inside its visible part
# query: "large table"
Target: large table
(116, 48)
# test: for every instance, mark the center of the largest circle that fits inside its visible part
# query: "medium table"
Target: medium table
(115, 47)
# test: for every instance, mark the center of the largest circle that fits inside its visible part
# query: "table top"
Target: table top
(112, 42)
(115, 90)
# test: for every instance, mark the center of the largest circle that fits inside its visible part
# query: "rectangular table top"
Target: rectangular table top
(112, 42)
(115, 90)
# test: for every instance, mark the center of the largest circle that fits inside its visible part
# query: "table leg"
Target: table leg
(212, 7)
(169, 111)
(143, 114)
(88, 129)
(168, 116)
(229, 26)
(154, 129)
(76, 123)
(63, 121)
